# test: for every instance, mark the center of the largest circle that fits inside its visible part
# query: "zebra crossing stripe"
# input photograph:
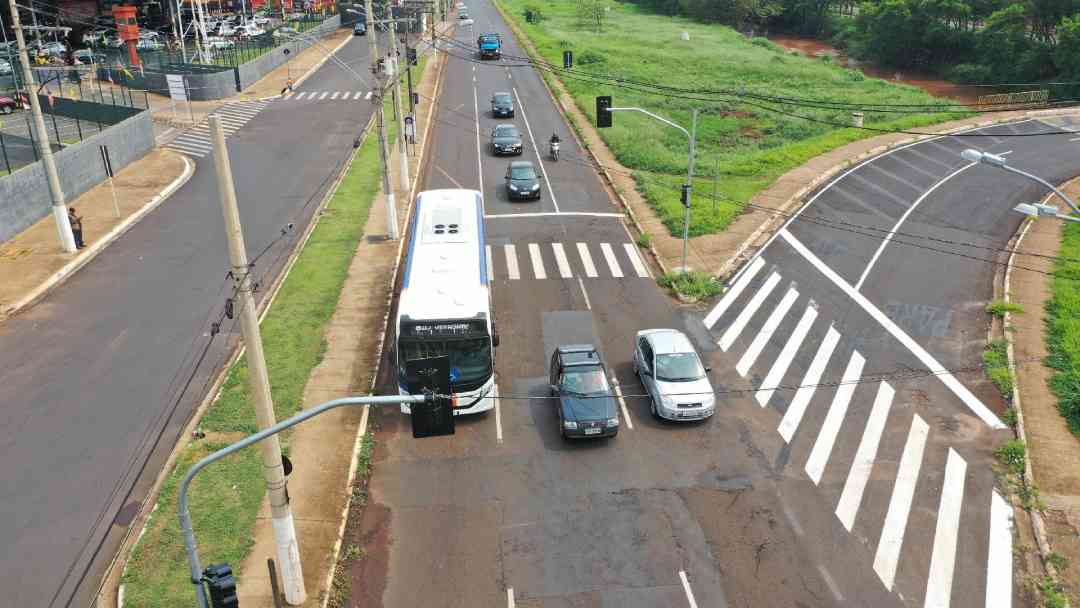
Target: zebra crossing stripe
(490, 266)
(335, 95)
(943, 558)
(300, 95)
(193, 143)
(793, 416)
(859, 474)
(787, 355)
(823, 445)
(766, 332)
(287, 95)
(740, 321)
(1000, 555)
(892, 531)
(586, 260)
(537, 261)
(511, 262)
(635, 260)
(612, 261)
(561, 261)
(733, 293)
(358, 95)
(323, 96)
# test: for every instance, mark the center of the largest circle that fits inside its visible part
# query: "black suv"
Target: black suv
(585, 402)
(502, 104)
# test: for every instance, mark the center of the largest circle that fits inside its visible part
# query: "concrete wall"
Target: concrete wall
(249, 73)
(204, 82)
(24, 195)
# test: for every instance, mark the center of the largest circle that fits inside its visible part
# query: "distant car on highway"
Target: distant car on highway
(7, 105)
(671, 372)
(502, 105)
(522, 182)
(586, 407)
(506, 139)
(465, 19)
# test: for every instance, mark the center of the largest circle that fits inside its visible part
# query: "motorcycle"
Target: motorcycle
(554, 150)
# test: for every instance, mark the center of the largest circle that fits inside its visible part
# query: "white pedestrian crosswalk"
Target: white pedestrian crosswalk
(844, 427)
(338, 96)
(196, 140)
(550, 261)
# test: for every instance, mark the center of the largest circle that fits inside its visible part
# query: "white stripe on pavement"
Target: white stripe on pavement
(193, 142)
(943, 558)
(736, 289)
(511, 262)
(490, 267)
(537, 261)
(586, 260)
(300, 95)
(561, 261)
(368, 96)
(892, 531)
(740, 321)
(787, 355)
(686, 587)
(612, 261)
(619, 396)
(1000, 556)
(335, 95)
(859, 474)
(766, 332)
(823, 445)
(794, 414)
(288, 95)
(358, 95)
(192, 151)
(323, 96)
(635, 260)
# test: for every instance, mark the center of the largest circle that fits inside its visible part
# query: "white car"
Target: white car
(671, 372)
(149, 44)
(224, 29)
(261, 21)
(250, 30)
(285, 32)
(219, 43)
(464, 19)
(5, 67)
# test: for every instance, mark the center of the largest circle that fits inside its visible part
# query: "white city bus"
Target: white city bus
(445, 303)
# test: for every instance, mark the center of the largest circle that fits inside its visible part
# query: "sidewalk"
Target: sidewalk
(32, 262)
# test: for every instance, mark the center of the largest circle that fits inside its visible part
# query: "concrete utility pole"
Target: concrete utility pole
(377, 98)
(288, 552)
(59, 207)
(395, 61)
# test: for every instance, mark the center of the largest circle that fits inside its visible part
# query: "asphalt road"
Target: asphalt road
(92, 375)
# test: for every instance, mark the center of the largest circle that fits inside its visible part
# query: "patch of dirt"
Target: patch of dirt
(1063, 528)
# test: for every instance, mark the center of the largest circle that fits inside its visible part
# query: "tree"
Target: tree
(592, 13)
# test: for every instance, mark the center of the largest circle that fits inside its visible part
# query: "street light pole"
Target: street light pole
(995, 160)
(395, 60)
(377, 98)
(59, 206)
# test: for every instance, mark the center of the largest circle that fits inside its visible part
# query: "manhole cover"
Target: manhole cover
(126, 514)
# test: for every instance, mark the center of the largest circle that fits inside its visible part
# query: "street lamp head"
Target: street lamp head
(972, 156)
(1026, 209)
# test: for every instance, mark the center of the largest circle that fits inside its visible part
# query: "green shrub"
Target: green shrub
(996, 364)
(1012, 454)
(998, 308)
(1010, 417)
(1053, 595)
(765, 43)
(644, 240)
(588, 57)
(695, 285)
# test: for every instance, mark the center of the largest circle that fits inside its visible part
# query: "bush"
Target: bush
(970, 72)
(1010, 417)
(533, 14)
(996, 364)
(765, 43)
(1012, 454)
(588, 57)
(695, 285)
(998, 308)
(644, 240)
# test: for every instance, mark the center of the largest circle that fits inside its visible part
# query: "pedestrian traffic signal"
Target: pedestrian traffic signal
(410, 54)
(567, 59)
(603, 113)
(219, 578)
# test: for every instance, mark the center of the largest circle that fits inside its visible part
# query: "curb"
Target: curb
(94, 250)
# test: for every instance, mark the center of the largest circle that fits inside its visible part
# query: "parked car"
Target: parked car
(49, 49)
(216, 43)
(225, 29)
(260, 20)
(114, 42)
(464, 19)
(5, 68)
(671, 372)
(359, 28)
(250, 31)
(502, 104)
(87, 56)
(94, 36)
(7, 105)
(149, 44)
(505, 139)
(284, 32)
(522, 182)
(585, 405)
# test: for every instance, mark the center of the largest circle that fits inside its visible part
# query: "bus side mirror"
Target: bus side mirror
(708, 370)
(495, 339)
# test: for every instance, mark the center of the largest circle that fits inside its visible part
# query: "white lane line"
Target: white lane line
(794, 414)
(686, 588)
(509, 590)
(830, 583)
(447, 176)
(1000, 556)
(561, 261)
(193, 142)
(479, 154)
(498, 415)
(543, 171)
(197, 153)
(971, 401)
(586, 260)
(588, 305)
(537, 261)
(357, 95)
(887, 555)
(823, 445)
(554, 214)
(368, 95)
(943, 558)
(787, 354)
(859, 474)
(766, 332)
(323, 96)
(288, 95)
(635, 260)
(612, 261)
(1074, 139)
(335, 95)
(511, 262)
(729, 297)
(300, 95)
(490, 267)
(622, 403)
(748, 311)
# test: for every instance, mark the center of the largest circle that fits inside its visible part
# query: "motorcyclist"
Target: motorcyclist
(553, 146)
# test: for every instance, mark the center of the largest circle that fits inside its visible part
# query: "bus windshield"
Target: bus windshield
(470, 359)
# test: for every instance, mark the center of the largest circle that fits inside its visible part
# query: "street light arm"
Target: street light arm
(1037, 179)
(657, 117)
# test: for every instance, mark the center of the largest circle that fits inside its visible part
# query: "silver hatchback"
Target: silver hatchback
(671, 371)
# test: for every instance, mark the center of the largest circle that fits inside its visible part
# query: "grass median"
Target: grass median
(1063, 328)
(226, 496)
(741, 148)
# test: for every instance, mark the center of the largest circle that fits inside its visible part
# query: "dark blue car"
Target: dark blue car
(579, 380)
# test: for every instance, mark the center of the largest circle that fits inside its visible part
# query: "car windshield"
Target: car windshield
(506, 131)
(585, 381)
(470, 359)
(522, 173)
(504, 98)
(679, 367)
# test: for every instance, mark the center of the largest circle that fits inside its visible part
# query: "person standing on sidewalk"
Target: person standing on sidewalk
(288, 87)
(76, 227)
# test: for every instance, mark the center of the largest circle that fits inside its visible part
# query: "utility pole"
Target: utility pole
(59, 208)
(33, 18)
(689, 190)
(395, 61)
(377, 98)
(288, 551)
(10, 57)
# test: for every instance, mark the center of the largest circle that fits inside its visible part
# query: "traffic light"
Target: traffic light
(686, 196)
(603, 114)
(219, 578)
(426, 376)
(410, 55)
(567, 59)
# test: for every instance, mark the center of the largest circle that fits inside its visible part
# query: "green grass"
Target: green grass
(999, 308)
(1063, 328)
(996, 364)
(693, 285)
(753, 146)
(1012, 454)
(226, 496)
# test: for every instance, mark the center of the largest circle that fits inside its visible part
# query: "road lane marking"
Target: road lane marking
(1000, 555)
(357, 95)
(192, 151)
(561, 261)
(498, 415)
(586, 260)
(476, 123)
(1074, 139)
(635, 260)
(193, 142)
(895, 177)
(859, 474)
(612, 261)
(794, 414)
(588, 305)
(686, 588)
(971, 401)
(537, 261)
(748, 311)
(887, 555)
(447, 176)
(368, 96)
(300, 95)
(740, 284)
(335, 95)
(830, 583)
(823, 445)
(490, 267)
(553, 214)
(511, 262)
(916, 168)
(536, 149)
(766, 332)
(622, 403)
(288, 95)
(787, 354)
(323, 96)
(943, 558)
(509, 590)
